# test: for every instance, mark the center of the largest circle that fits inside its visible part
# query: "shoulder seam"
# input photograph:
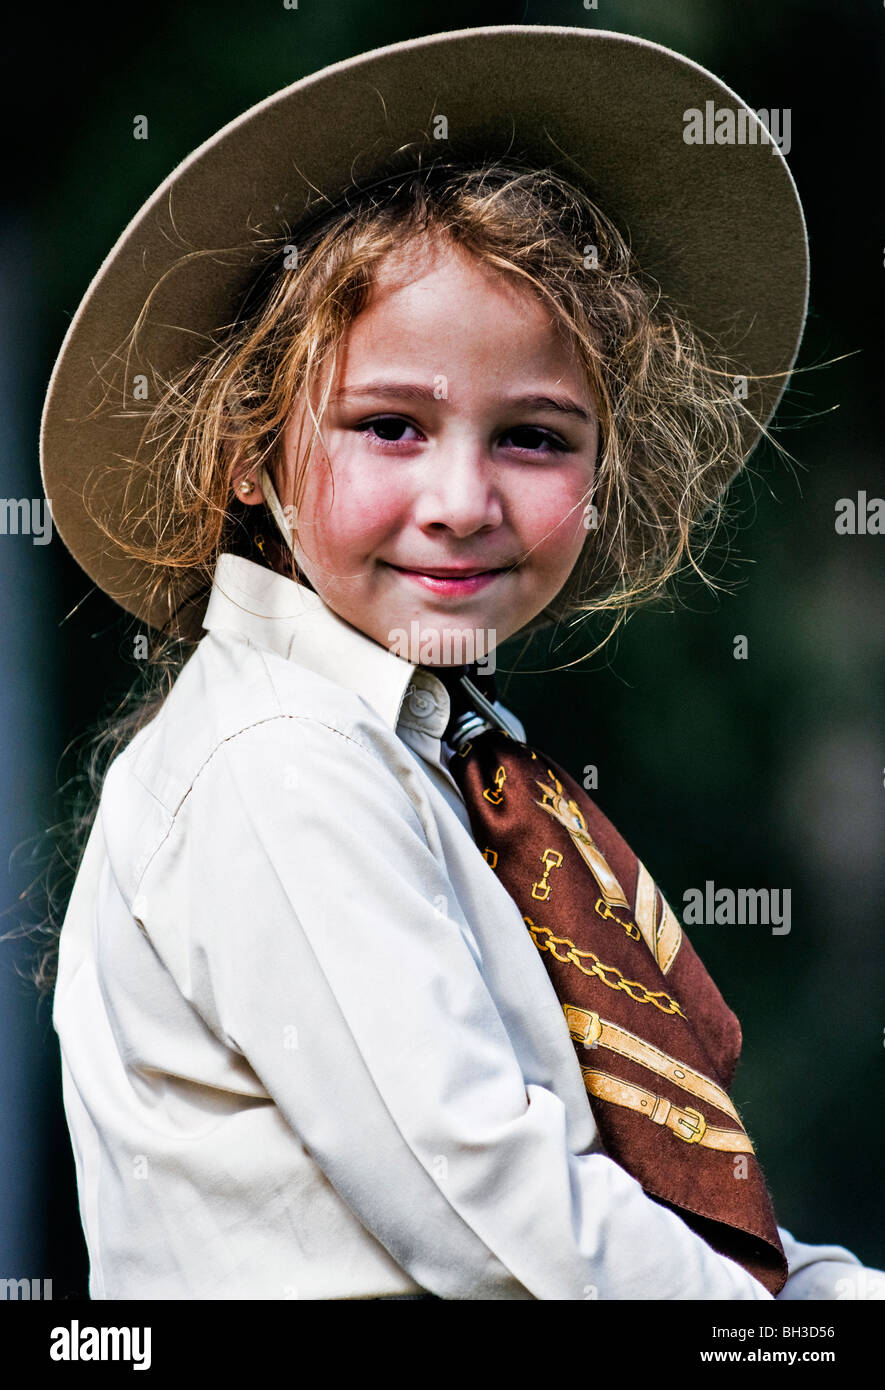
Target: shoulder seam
(268, 719)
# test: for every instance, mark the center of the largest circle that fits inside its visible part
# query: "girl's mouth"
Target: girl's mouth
(450, 584)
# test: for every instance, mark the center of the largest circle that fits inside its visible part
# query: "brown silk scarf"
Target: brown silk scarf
(656, 1043)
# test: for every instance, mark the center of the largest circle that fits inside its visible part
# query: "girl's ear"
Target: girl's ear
(244, 483)
(246, 488)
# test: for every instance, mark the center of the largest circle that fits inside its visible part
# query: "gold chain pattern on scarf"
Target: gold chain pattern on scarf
(657, 997)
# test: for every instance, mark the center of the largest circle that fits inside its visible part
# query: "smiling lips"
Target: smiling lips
(450, 572)
(464, 580)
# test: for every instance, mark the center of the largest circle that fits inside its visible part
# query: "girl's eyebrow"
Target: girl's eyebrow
(413, 391)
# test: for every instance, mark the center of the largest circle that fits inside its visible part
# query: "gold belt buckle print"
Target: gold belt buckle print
(695, 1134)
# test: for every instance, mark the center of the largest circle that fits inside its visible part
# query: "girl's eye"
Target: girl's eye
(386, 429)
(532, 436)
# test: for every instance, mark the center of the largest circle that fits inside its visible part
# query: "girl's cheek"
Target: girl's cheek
(367, 503)
(357, 518)
(560, 526)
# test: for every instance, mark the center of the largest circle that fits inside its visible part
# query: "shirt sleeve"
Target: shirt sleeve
(827, 1272)
(337, 962)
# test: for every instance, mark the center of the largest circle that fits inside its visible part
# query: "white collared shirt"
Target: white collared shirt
(309, 1049)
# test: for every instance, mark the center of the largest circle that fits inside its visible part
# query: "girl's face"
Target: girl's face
(462, 438)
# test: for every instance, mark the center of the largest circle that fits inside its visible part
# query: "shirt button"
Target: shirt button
(421, 703)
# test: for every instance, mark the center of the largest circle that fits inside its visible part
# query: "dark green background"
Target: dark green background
(759, 773)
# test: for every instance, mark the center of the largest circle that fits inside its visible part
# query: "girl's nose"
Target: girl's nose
(460, 489)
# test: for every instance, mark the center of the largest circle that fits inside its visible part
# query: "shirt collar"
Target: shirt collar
(284, 616)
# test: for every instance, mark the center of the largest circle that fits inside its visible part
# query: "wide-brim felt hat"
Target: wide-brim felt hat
(719, 226)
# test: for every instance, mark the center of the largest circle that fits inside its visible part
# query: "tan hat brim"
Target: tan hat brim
(719, 226)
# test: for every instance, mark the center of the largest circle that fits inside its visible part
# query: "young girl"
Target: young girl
(310, 1048)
